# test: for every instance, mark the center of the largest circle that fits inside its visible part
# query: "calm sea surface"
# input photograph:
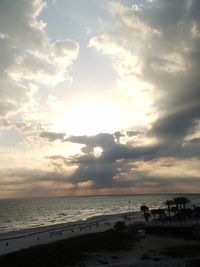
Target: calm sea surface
(27, 213)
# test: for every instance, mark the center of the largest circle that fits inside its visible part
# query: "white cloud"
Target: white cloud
(65, 52)
(48, 68)
(19, 21)
(195, 30)
(27, 54)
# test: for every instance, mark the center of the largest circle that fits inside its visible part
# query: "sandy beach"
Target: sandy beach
(17, 240)
(93, 242)
(143, 249)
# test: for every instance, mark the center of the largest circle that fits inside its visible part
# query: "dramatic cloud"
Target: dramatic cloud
(103, 140)
(161, 40)
(102, 170)
(142, 60)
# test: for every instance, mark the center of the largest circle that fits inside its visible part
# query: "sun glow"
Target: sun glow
(91, 118)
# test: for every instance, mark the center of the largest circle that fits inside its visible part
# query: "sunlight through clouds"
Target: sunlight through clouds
(91, 118)
(100, 96)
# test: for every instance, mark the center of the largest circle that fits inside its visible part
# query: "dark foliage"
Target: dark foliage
(119, 226)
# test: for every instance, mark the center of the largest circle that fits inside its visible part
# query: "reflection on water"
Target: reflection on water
(26, 213)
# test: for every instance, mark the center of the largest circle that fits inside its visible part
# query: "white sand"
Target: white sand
(14, 241)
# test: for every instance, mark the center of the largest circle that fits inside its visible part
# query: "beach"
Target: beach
(117, 239)
(93, 242)
(17, 240)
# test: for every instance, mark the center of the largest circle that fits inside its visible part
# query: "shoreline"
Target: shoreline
(111, 248)
(16, 240)
(88, 243)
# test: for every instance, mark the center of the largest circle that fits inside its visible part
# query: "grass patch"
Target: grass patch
(67, 251)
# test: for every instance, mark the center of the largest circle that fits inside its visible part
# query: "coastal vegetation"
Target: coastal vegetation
(176, 211)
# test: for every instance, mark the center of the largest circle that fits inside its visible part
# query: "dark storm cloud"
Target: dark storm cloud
(120, 151)
(172, 65)
(102, 170)
(103, 140)
(103, 174)
(99, 170)
(177, 124)
(99, 173)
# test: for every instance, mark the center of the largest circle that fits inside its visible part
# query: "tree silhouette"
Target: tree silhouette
(169, 203)
(181, 202)
(161, 213)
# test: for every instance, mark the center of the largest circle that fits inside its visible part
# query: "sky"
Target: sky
(99, 97)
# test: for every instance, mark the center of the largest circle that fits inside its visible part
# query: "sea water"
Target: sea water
(18, 214)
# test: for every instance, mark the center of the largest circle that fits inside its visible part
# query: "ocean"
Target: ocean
(16, 214)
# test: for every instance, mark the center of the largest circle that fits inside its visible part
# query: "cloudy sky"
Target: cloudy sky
(99, 97)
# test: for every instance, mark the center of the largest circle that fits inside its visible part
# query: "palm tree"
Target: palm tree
(161, 213)
(181, 202)
(185, 201)
(169, 203)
